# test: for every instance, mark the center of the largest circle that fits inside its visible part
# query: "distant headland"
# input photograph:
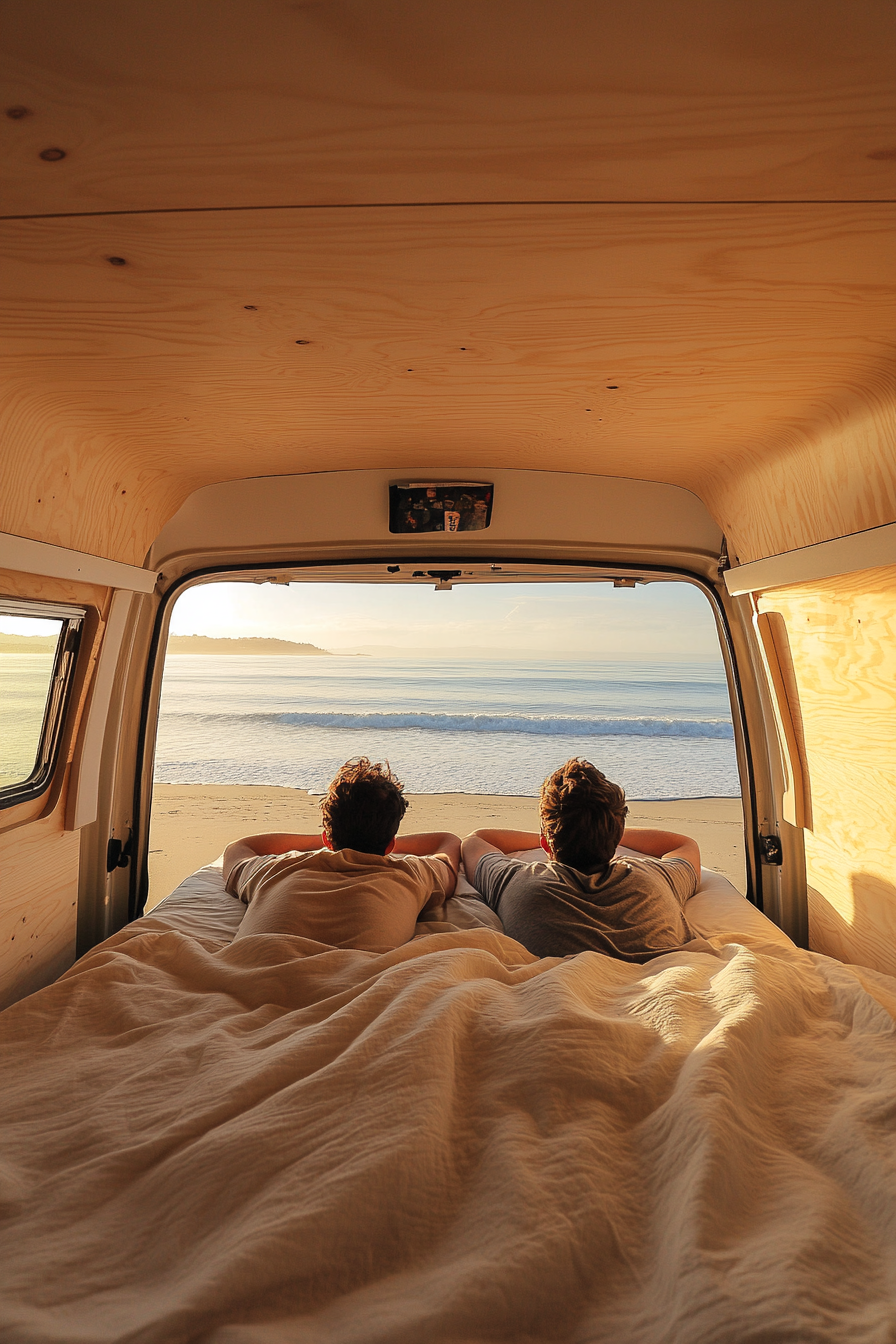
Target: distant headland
(28, 643)
(252, 645)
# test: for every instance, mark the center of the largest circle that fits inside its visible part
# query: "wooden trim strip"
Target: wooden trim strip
(57, 562)
(84, 783)
(843, 555)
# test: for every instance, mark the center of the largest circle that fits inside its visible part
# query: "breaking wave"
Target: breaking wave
(548, 725)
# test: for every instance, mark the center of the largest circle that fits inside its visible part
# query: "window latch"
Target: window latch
(118, 855)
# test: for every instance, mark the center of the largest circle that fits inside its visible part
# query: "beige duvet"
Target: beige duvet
(268, 1141)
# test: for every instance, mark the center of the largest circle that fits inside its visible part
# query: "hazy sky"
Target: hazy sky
(662, 620)
(27, 625)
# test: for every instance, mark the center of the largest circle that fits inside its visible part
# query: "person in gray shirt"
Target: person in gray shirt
(583, 898)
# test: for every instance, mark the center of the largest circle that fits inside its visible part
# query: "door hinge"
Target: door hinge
(118, 855)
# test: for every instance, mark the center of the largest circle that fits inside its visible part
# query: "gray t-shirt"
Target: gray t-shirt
(632, 909)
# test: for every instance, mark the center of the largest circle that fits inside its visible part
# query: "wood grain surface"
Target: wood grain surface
(745, 355)
(43, 589)
(38, 905)
(842, 636)
(221, 103)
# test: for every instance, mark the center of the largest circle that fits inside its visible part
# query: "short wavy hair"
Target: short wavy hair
(363, 807)
(582, 815)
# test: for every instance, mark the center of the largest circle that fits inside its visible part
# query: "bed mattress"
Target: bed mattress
(202, 907)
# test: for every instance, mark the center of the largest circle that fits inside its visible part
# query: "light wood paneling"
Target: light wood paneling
(871, 549)
(843, 641)
(39, 861)
(42, 589)
(750, 347)
(826, 475)
(38, 905)
(257, 102)
(713, 348)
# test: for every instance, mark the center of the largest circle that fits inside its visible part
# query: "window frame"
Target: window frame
(58, 692)
(269, 571)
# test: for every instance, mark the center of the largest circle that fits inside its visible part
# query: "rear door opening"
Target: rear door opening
(473, 680)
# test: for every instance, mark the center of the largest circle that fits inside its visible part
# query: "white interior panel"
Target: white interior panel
(347, 512)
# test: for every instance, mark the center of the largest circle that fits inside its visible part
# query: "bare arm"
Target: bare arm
(494, 842)
(662, 845)
(251, 846)
(442, 845)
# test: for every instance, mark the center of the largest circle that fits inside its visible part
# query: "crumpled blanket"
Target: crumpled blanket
(271, 1141)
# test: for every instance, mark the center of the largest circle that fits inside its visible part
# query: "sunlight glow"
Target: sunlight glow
(664, 620)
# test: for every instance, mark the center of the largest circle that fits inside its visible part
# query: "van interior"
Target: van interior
(414, 296)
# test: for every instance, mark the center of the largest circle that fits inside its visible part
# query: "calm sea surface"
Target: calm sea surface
(662, 730)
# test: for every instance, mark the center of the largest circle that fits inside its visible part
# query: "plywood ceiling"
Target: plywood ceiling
(737, 310)
(177, 104)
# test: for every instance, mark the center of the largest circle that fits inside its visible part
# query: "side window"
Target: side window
(38, 643)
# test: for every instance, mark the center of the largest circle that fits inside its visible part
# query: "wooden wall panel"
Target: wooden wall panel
(36, 586)
(830, 476)
(38, 905)
(39, 861)
(842, 636)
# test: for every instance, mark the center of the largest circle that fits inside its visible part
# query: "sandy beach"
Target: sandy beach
(191, 823)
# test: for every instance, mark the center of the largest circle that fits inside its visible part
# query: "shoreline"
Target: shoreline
(192, 823)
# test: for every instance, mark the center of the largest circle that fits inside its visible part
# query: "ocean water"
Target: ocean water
(662, 730)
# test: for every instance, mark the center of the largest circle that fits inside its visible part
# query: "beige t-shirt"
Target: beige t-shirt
(343, 899)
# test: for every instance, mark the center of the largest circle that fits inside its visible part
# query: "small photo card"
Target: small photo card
(440, 506)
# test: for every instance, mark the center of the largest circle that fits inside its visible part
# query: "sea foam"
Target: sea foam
(543, 725)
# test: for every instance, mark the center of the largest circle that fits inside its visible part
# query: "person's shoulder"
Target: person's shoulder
(495, 856)
(418, 864)
(405, 860)
(258, 863)
(247, 868)
(259, 869)
(290, 860)
(665, 864)
(667, 869)
(495, 859)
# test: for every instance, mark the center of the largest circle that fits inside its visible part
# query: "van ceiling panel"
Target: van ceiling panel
(675, 344)
(387, 276)
(346, 514)
(180, 104)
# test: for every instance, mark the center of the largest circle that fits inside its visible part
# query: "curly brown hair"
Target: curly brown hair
(582, 815)
(363, 807)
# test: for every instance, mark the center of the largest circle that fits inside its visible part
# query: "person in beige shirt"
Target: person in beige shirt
(364, 887)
